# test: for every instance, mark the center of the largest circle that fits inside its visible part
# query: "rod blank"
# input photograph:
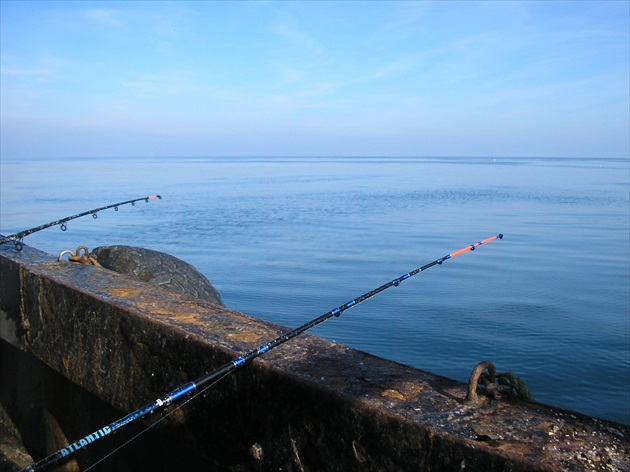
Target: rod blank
(17, 237)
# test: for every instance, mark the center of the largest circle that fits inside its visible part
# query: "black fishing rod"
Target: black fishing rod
(209, 379)
(17, 237)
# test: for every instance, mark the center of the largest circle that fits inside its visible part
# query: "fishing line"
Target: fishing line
(162, 418)
(215, 376)
(18, 237)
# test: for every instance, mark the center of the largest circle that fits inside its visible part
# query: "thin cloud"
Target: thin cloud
(287, 26)
(25, 72)
(155, 86)
(104, 16)
(397, 67)
(14, 68)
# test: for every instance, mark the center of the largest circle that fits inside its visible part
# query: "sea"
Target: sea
(287, 239)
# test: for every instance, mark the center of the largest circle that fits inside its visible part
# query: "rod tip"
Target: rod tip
(500, 236)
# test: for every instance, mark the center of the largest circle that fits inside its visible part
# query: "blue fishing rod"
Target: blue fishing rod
(213, 377)
(18, 237)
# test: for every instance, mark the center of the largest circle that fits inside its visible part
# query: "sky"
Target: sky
(514, 79)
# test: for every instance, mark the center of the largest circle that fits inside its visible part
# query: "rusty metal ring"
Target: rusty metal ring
(78, 253)
(476, 375)
(63, 253)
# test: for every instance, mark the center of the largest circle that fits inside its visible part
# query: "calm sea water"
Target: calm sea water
(287, 239)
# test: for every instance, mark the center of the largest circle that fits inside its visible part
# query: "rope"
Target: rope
(517, 387)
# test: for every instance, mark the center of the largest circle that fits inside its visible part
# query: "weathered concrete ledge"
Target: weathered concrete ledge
(83, 345)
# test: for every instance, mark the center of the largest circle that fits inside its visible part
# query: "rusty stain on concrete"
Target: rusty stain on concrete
(391, 393)
(244, 337)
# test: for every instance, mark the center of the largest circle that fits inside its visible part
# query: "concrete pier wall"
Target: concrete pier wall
(82, 346)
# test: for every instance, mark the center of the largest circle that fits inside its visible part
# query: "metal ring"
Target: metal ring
(67, 251)
(94, 215)
(63, 226)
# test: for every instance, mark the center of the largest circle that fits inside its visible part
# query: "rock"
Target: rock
(157, 268)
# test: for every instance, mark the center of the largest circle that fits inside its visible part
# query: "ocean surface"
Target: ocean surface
(287, 239)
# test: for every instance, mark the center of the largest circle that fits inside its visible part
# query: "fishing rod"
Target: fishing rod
(210, 378)
(18, 237)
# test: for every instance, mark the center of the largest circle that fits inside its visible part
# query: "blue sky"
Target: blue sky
(315, 78)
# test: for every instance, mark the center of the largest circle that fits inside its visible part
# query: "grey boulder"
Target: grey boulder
(157, 268)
